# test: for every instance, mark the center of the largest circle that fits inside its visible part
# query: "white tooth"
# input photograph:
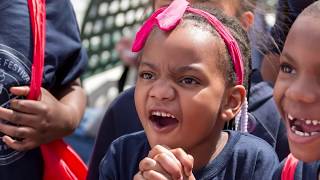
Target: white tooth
(173, 116)
(163, 114)
(299, 133)
(293, 128)
(153, 113)
(308, 121)
(314, 122)
(158, 113)
(290, 117)
(168, 115)
(306, 134)
(314, 133)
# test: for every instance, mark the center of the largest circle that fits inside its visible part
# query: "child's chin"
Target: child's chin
(304, 153)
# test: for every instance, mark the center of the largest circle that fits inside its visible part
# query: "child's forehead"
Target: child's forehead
(302, 46)
(307, 31)
(189, 33)
(183, 44)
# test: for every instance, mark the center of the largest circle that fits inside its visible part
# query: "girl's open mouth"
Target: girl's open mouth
(304, 127)
(163, 121)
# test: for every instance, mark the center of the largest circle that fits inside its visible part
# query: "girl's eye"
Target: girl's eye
(287, 68)
(189, 81)
(146, 75)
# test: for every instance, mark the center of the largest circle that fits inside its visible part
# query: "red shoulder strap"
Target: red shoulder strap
(289, 168)
(37, 10)
(60, 161)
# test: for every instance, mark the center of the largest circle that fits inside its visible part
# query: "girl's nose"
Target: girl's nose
(303, 90)
(162, 90)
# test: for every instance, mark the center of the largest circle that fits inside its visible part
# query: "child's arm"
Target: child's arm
(44, 120)
(163, 163)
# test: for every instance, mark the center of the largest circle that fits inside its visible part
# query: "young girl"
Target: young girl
(192, 80)
(298, 96)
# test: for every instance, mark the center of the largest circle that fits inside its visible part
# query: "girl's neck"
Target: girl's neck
(206, 152)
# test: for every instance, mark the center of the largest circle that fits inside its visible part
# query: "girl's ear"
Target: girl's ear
(247, 19)
(234, 99)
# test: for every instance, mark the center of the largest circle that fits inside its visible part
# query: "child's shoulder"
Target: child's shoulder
(133, 139)
(122, 159)
(302, 171)
(248, 139)
(245, 143)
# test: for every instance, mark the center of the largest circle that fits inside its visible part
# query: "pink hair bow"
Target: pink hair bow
(168, 18)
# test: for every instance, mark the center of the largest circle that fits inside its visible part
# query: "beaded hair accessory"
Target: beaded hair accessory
(168, 18)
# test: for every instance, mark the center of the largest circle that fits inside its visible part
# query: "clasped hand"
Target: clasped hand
(164, 164)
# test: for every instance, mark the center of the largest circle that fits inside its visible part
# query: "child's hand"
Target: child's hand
(37, 122)
(163, 163)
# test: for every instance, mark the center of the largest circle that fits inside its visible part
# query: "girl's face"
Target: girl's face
(297, 89)
(180, 95)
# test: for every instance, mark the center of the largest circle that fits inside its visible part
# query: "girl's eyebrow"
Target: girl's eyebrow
(288, 57)
(150, 65)
(187, 68)
(181, 69)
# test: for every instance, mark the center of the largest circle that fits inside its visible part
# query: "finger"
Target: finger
(17, 118)
(20, 91)
(170, 164)
(28, 106)
(157, 149)
(150, 164)
(147, 164)
(185, 159)
(19, 132)
(138, 176)
(153, 175)
(23, 145)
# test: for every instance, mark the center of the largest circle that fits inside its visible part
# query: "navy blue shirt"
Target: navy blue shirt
(264, 119)
(243, 157)
(65, 60)
(304, 171)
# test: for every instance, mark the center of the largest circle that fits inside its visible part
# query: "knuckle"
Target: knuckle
(138, 176)
(20, 133)
(44, 125)
(180, 151)
(44, 109)
(159, 156)
(157, 147)
(15, 118)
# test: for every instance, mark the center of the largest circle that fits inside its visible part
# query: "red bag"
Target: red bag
(289, 168)
(60, 161)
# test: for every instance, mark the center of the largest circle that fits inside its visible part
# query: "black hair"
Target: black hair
(225, 64)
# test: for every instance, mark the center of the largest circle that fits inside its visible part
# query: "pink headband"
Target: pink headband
(168, 18)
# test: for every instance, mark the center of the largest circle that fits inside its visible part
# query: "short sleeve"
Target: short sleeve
(65, 57)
